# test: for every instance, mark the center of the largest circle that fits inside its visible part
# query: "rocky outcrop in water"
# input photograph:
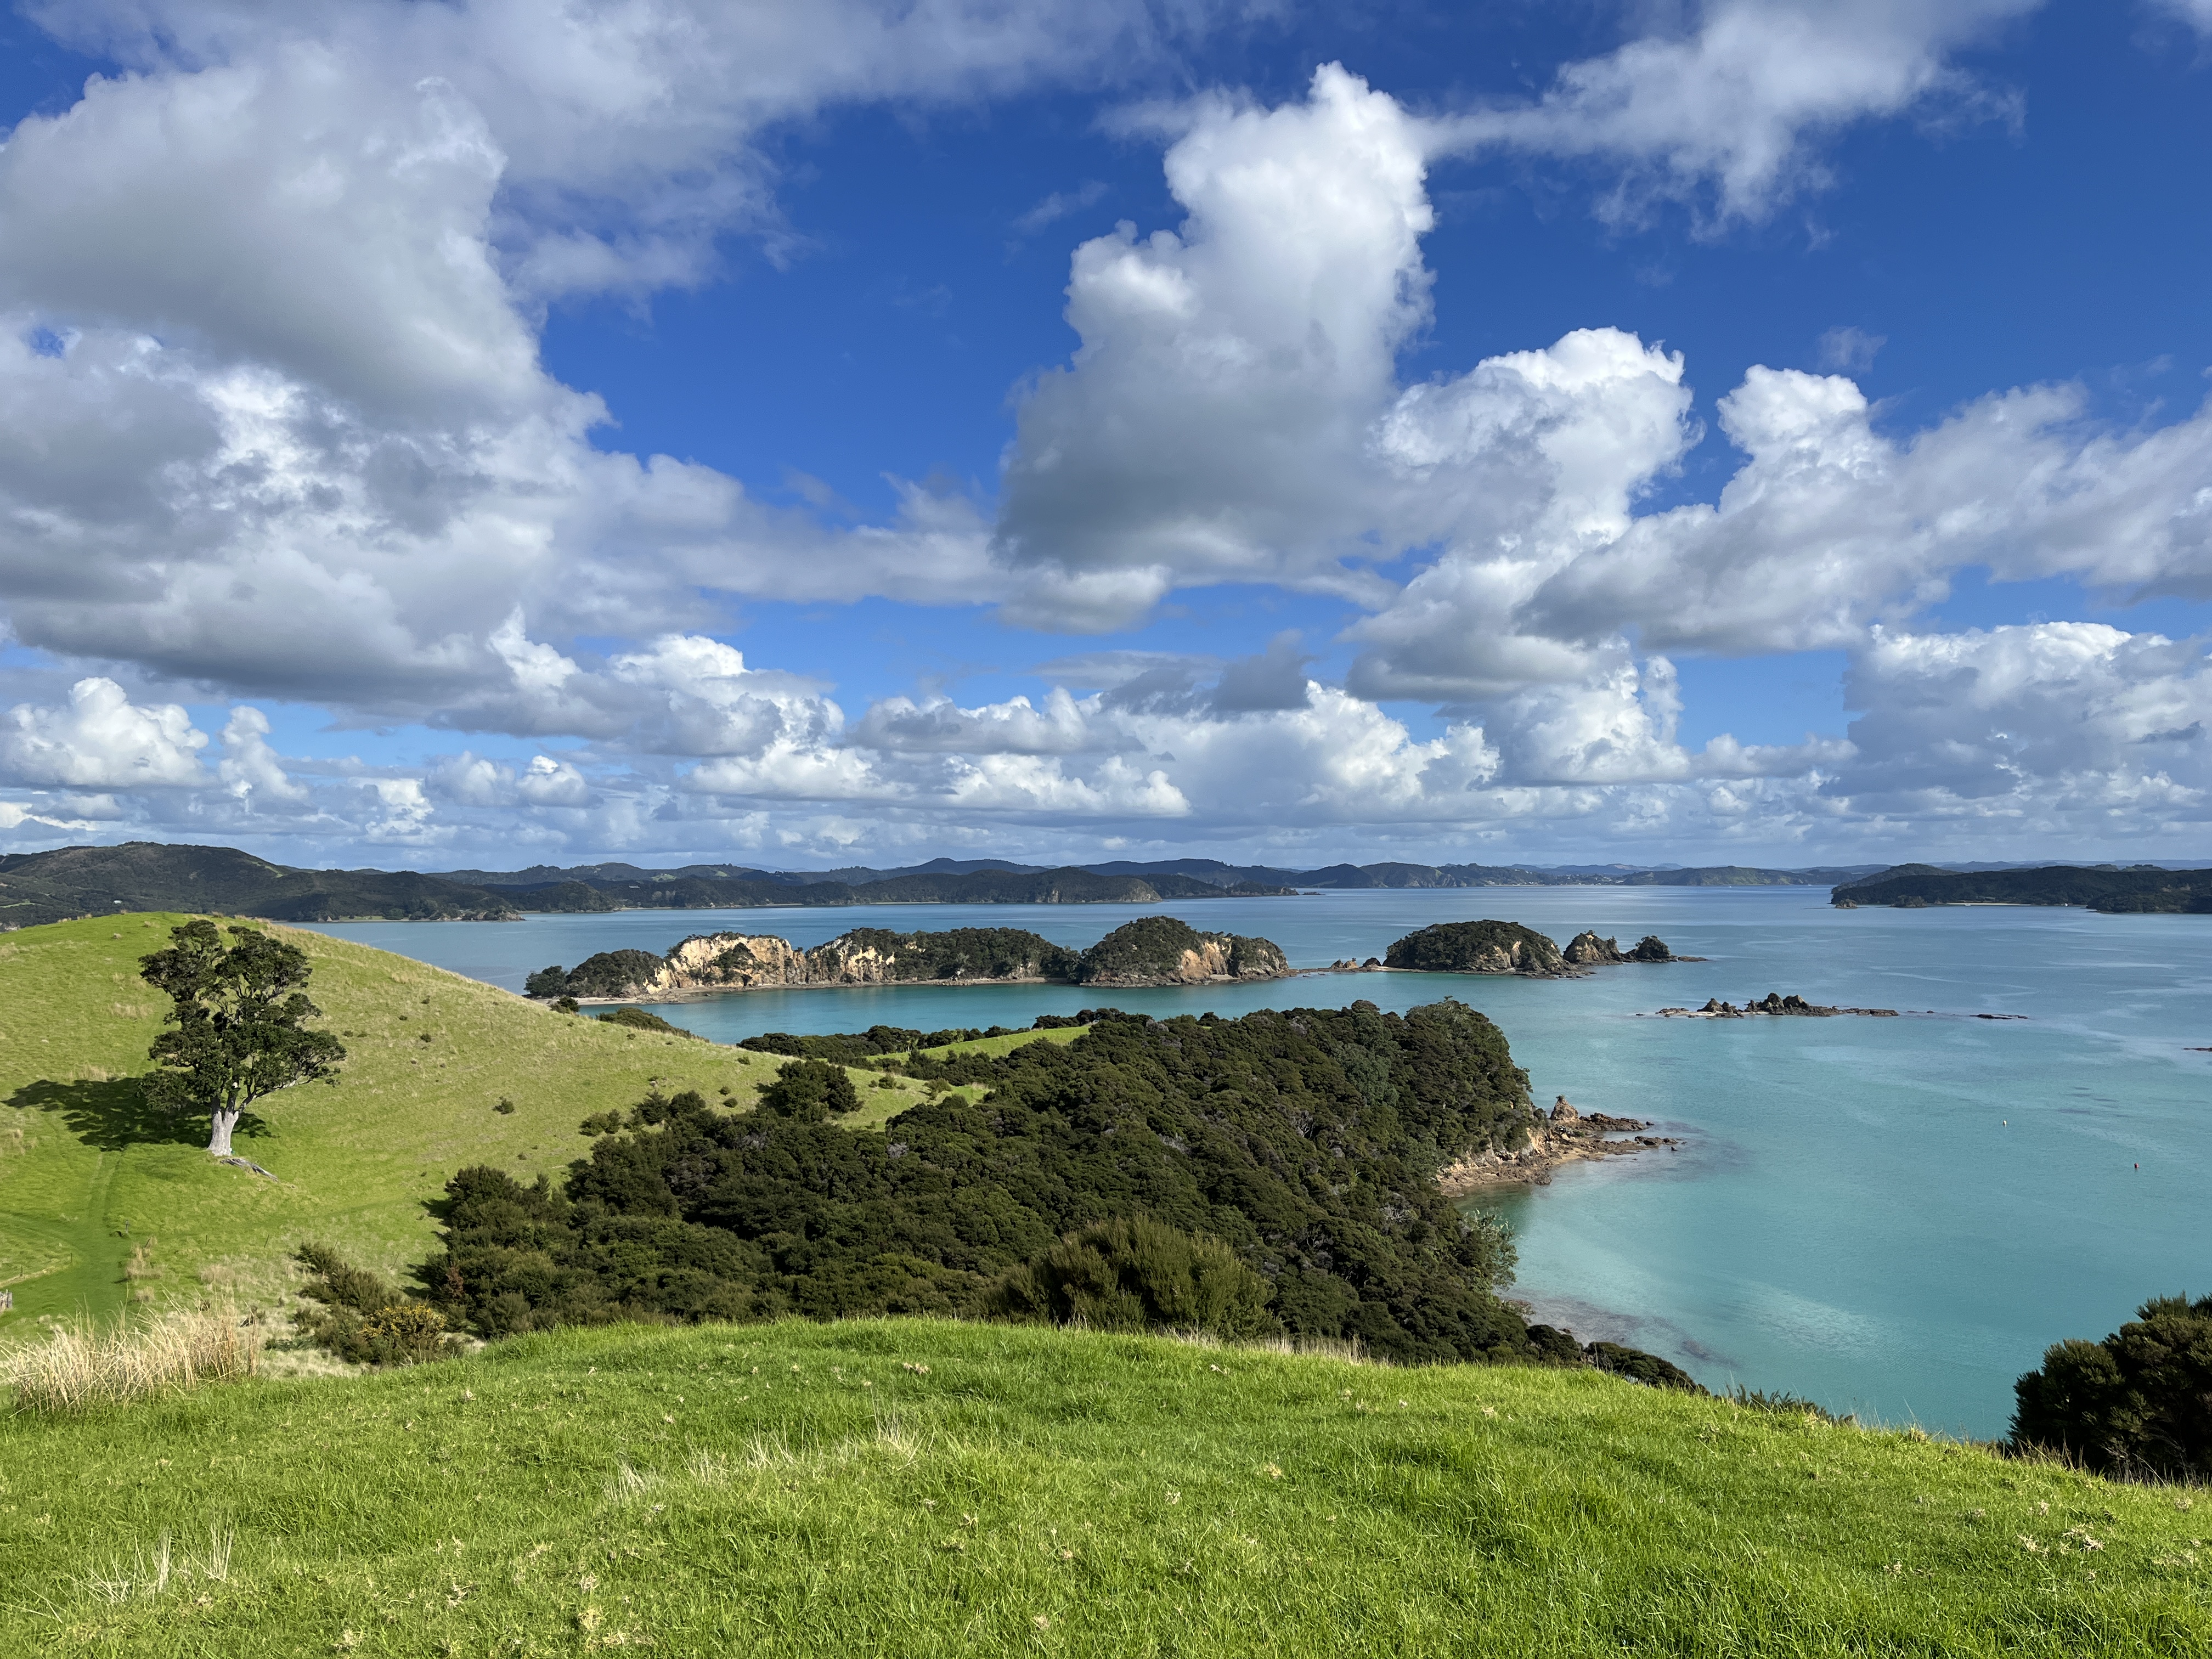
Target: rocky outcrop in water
(1152, 950)
(1564, 1136)
(1772, 1004)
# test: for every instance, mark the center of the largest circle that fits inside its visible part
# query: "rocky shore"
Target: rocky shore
(1566, 1136)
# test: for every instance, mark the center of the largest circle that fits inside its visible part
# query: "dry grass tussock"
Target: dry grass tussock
(88, 1362)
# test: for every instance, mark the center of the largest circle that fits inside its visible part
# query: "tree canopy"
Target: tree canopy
(237, 1029)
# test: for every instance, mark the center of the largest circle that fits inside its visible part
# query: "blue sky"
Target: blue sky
(468, 435)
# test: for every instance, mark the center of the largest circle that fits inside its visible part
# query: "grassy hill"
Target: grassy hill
(88, 1178)
(930, 1488)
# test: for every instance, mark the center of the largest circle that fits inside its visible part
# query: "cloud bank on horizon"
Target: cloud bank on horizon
(310, 539)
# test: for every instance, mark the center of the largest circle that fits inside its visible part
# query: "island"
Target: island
(1507, 947)
(1151, 951)
(2140, 889)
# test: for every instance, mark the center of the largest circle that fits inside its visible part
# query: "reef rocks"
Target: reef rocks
(1565, 1136)
(1772, 1003)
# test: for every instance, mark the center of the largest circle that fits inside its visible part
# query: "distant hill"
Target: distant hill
(36, 888)
(2139, 889)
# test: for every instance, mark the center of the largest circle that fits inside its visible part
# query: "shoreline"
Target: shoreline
(1566, 1137)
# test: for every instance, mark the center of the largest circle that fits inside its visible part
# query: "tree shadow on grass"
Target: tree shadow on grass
(113, 1115)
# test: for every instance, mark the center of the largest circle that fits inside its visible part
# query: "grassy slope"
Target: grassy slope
(80, 1161)
(801, 1489)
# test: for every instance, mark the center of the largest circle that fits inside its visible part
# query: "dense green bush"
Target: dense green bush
(1136, 1274)
(639, 1020)
(2138, 1403)
(808, 1090)
(1307, 1141)
(1651, 948)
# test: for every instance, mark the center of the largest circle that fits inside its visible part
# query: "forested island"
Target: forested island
(1151, 951)
(1507, 947)
(2140, 889)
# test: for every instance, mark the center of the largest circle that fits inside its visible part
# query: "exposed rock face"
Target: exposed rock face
(1772, 1003)
(1566, 1136)
(1478, 947)
(1587, 950)
(1155, 951)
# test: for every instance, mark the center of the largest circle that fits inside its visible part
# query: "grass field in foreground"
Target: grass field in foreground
(915, 1487)
(88, 1175)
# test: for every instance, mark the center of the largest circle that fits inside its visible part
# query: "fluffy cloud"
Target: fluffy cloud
(253, 772)
(2057, 728)
(1731, 110)
(101, 740)
(1212, 426)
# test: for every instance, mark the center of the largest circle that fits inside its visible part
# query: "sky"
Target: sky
(482, 434)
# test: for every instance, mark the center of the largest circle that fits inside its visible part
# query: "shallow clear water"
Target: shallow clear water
(1892, 1217)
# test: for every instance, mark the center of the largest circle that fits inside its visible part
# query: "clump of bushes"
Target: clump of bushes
(2137, 1404)
(1139, 1275)
(638, 1020)
(809, 1090)
(362, 1318)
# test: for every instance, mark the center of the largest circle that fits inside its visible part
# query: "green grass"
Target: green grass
(86, 1173)
(1007, 1044)
(805, 1489)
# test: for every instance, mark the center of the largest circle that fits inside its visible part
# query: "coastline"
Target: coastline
(1567, 1136)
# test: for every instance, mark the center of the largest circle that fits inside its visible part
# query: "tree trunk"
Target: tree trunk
(219, 1138)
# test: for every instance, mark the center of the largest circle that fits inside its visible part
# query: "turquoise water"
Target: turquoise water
(1894, 1217)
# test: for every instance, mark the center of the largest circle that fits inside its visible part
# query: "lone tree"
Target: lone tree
(238, 1025)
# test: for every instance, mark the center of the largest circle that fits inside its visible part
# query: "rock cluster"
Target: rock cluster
(1478, 947)
(1566, 1135)
(1772, 1003)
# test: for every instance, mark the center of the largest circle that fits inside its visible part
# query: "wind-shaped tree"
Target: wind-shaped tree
(238, 1025)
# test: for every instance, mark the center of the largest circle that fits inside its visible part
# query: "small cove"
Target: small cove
(1891, 1216)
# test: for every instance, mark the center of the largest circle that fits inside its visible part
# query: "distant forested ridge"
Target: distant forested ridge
(2140, 888)
(36, 888)
(1151, 951)
(1309, 1140)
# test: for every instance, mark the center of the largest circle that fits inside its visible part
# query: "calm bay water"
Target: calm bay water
(1894, 1217)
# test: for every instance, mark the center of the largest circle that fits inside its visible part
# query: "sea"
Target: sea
(1890, 1216)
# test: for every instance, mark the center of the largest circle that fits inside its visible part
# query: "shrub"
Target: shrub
(2138, 1403)
(547, 982)
(86, 1364)
(809, 1090)
(1638, 1366)
(363, 1319)
(638, 1020)
(1139, 1275)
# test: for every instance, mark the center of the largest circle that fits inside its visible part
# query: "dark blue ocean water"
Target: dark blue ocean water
(1894, 1217)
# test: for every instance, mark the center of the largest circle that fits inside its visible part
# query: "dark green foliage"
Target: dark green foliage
(852, 1049)
(2138, 1403)
(1137, 1274)
(2142, 889)
(809, 1090)
(1307, 1142)
(548, 982)
(139, 875)
(1638, 1366)
(639, 1020)
(505, 1108)
(1476, 947)
(1651, 948)
(568, 1006)
(1152, 948)
(601, 1124)
(609, 974)
(362, 1319)
(965, 953)
(236, 1025)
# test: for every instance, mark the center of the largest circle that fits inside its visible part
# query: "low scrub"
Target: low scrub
(87, 1363)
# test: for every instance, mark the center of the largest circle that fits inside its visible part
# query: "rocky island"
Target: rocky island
(1151, 951)
(1567, 1136)
(1772, 1004)
(1507, 947)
